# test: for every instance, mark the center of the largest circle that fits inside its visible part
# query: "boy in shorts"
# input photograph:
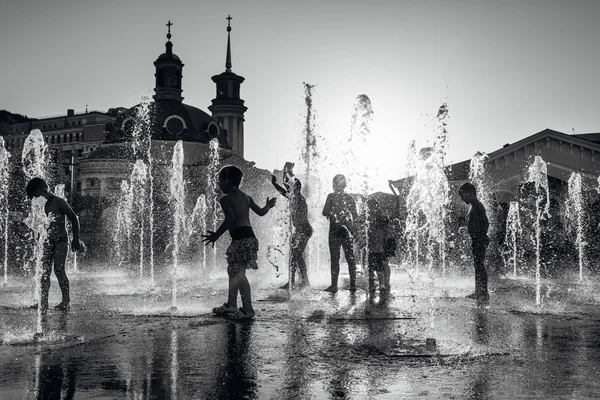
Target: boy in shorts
(242, 252)
(57, 244)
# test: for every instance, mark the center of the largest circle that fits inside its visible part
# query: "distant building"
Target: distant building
(507, 172)
(95, 145)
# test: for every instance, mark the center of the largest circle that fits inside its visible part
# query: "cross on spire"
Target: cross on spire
(169, 27)
(228, 57)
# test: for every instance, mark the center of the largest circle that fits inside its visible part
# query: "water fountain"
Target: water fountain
(513, 230)
(38, 222)
(4, 211)
(212, 192)
(575, 216)
(426, 205)
(34, 165)
(123, 226)
(142, 146)
(139, 176)
(34, 155)
(198, 225)
(478, 177)
(538, 175)
(178, 202)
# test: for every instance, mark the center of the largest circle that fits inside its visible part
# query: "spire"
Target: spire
(169, 45)
(228, 59)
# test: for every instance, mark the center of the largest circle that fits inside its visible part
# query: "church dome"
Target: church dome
(168, 56)
(169, 120)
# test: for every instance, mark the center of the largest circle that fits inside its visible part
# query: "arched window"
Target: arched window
(175, 125)
(213, 130)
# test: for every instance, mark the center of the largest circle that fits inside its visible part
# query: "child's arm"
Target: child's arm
(327, 208)
(264, 210)
(281, 190)
(212, 237)
(64, 207)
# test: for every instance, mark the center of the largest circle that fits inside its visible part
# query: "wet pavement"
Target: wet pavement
(121, 340)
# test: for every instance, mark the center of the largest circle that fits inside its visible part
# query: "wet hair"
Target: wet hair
(468, 188)
(232, 174)
(338, 178)
(33, 185)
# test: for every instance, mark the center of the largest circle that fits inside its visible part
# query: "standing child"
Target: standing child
(340, 209)
(57, 243)
(302, 229)
(242, 252)
(477, 227)
(378, 233)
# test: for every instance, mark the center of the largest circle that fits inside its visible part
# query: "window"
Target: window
(175, 125)
(213, 130)
(128, 125)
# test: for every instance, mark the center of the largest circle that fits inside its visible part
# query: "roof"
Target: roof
(196, 128)
(460, 171)
(592, 137)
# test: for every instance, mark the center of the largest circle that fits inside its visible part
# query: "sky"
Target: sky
(507, 69)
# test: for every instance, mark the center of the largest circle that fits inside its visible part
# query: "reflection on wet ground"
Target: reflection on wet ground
(121, 341)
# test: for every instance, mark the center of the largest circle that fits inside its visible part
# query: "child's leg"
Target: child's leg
(60, 259)
(371, 274)
(233, 290)
(386, 274)
(301, 262)
(47, 261)
(245, 292)
(349, 253)
(238, 281)
(334, 251)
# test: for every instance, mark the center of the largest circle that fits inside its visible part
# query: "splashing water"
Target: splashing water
(198, 224)
(513, 230)
(4, 212)
(38, 222)
(309, 151)
(441, 126)
(178, 201)
(124, 223)
(538, 174)
(358, 154)
(34, 159)
(426, 206)
(34, 155)
(142, 145)
(575, 215)
(479, 178)
(212, 192)
(139, 176)
(427, 203)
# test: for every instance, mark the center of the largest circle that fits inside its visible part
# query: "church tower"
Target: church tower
(168, 73)
(227, 108)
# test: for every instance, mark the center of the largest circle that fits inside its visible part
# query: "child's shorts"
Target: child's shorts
(242, 253)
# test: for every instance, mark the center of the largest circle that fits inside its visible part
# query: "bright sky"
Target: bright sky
(507, 69)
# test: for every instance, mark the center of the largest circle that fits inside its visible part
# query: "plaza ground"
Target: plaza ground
(121, 340)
